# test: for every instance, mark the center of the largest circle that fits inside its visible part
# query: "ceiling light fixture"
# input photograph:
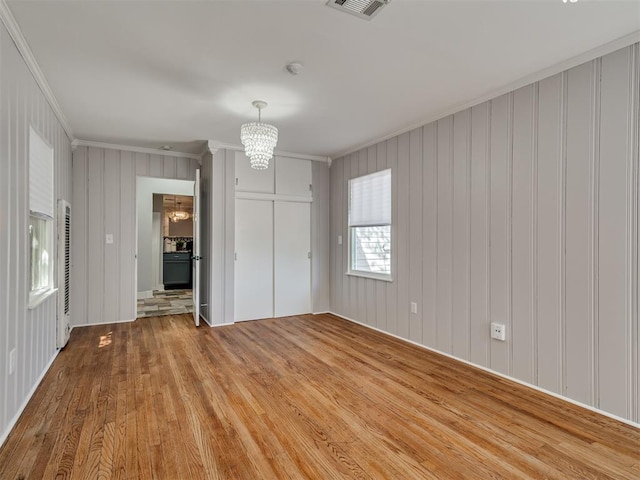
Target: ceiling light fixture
(259, 139)
(569, 1)
(178, 215)
(294, 68)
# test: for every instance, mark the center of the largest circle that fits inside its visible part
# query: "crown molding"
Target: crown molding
(13, 28)
(587, 56)
(127, 148)
(213, 146)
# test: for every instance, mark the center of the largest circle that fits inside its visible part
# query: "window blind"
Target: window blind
(370, 199)
(40, 175)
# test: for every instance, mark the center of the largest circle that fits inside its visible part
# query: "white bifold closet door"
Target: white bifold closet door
(254, 259)
(272, 267)
(292, 264)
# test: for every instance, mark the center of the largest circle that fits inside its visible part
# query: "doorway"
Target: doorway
(165, 247)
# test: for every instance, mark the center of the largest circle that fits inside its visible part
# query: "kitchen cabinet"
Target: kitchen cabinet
(176, 270)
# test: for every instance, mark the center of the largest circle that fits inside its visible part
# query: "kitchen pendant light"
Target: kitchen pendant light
(178, 215)
(259, 139)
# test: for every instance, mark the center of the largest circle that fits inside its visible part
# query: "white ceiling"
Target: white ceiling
(148, 73)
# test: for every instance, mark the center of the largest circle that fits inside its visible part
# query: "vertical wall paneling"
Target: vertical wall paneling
(634, 127)
(528, 212)
(95, 213)
(429, 234)
(460, 326)
(549, 240)
(337, 232)
(79, 232)
(479, 232)
(415, 233)
(30, 331)
(444, 241)
(579, 235)
(392, 288)
(228, 180)
(381, 287)
(614, 234)
(320, 243)
(105, 202)
(522, 234)
(403, 221)
(112, 208)
(500, 226)
(126, 225)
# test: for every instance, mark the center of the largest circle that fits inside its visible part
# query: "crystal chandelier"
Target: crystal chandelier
(178, 215)
(259, 140)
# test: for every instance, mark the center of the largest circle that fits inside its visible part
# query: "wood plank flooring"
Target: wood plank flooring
(309, 397)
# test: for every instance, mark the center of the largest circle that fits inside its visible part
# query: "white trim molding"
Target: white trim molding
(127, 148)
(592, 54)
(23, 47)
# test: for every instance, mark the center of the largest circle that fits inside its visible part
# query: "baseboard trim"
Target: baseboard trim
(95, 324)
(501, 375)
(15, 419)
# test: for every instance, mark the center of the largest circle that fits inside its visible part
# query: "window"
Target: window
(370, 225)
(40, 219)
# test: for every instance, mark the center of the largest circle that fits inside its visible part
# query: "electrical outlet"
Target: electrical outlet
(12, 361)
(498, 331)
(414, 307)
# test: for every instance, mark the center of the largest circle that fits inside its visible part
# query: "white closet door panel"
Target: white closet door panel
(292, 264)
(293, 176)
(251, 180)
(254, 260)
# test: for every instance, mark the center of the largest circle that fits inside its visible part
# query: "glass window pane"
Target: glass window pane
(41, 258)
(371, 249)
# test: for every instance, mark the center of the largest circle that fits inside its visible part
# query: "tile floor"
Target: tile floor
(168, 302)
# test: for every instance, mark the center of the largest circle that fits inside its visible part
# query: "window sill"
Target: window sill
(372, 276)
(36, 299)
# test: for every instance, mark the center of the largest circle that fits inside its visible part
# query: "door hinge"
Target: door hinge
(310, 187)
(309, 255)
(236, 181)
(235, 256)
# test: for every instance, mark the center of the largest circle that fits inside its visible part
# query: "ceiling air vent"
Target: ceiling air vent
(366, 9)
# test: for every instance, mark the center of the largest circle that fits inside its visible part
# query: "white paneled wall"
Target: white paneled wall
(31, 332)
(104, 201)
(522, 210)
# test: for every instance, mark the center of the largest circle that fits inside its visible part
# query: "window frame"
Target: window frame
(41, 156)
(351, 232)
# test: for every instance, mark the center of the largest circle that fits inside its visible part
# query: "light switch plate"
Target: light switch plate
(109, 238)
(414, 307)
(339, 239)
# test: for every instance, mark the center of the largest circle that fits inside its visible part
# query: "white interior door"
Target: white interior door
(195, 254)
(292, 262)
(254, 259)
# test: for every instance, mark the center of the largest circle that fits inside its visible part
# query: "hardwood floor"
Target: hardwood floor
(309, 397)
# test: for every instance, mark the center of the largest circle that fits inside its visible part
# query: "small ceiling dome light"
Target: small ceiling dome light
(294, 68)
(165, 147)
(259, 139)
(569, 1)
